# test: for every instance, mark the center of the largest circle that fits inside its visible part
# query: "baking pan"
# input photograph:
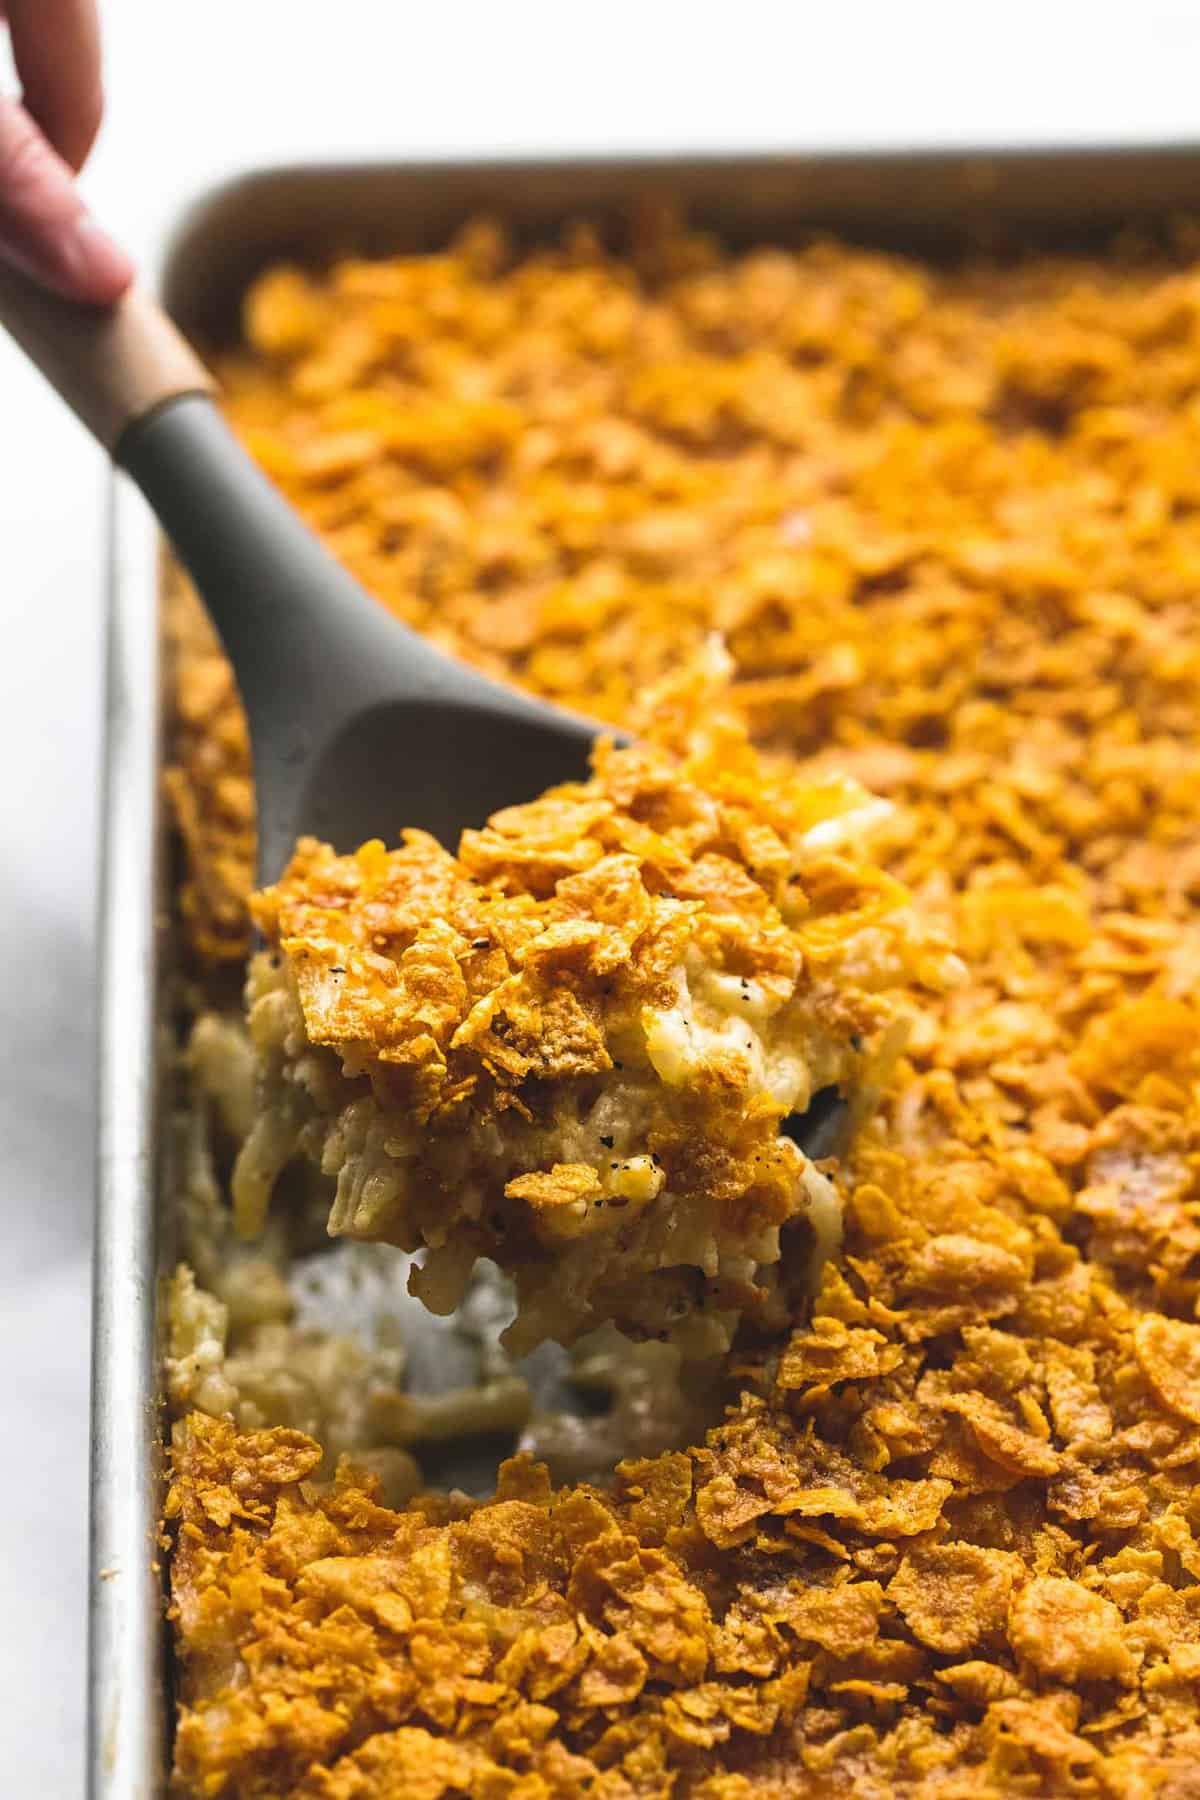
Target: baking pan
(932, 203)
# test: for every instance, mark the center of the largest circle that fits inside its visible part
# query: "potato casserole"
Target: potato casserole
(891, 1486)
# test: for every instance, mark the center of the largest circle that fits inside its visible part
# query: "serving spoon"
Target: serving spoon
(358, 726)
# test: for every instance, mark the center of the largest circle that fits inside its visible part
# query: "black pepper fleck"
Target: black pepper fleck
(606, 1141)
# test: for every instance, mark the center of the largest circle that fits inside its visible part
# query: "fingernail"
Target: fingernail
(92, 268)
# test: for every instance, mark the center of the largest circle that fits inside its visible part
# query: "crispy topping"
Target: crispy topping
(946, 519)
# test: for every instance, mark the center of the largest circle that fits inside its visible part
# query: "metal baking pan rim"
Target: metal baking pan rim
(125, 1753)
(920, 195)
(127, 1723)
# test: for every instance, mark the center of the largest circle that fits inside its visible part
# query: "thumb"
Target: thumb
(45, 229)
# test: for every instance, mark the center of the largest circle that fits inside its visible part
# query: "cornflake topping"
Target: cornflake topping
(945, 1545)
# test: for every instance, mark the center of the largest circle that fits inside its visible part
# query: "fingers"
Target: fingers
(44, 227)
(56, 48)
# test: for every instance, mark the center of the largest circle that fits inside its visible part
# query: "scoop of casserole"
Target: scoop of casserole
(572, 1046)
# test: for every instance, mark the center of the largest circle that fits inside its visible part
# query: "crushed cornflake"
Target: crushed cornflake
(947, 1543)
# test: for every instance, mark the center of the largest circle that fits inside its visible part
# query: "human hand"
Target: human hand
(45, 228)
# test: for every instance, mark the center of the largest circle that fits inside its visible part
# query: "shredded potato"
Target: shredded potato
(947, 1542)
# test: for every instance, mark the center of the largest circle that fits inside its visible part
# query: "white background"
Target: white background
(197, 89)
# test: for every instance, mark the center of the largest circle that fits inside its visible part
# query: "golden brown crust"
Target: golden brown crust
(948, 522)
(927, 508)
(571, 1047)
(208, 782)
(873, 1580)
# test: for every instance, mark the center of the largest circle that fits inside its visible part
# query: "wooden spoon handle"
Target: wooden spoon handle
(112, 365)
